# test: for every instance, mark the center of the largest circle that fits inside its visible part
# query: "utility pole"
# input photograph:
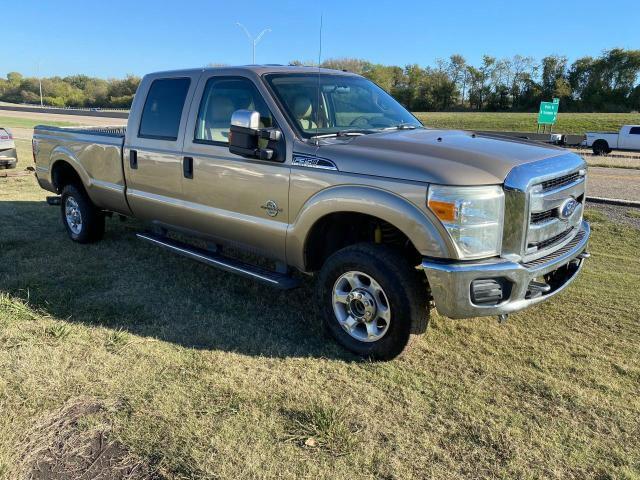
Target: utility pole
(39, 81)
(254, 41)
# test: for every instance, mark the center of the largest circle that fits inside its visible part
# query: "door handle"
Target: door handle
(133, 159)
(187, 167)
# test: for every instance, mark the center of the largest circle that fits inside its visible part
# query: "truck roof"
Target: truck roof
(257, 69)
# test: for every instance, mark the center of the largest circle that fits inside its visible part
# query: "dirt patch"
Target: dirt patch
(73, 443)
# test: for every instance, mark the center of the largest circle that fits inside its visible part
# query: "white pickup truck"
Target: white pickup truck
(628, 138)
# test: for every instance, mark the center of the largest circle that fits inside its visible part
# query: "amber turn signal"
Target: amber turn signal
(445, 211)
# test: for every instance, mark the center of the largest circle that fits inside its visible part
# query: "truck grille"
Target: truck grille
(541, 217)
(556, 253)
(549, 227)
(553, 240)
(560, 181)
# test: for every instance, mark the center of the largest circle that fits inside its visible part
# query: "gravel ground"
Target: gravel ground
(620, 183)
(587, 152)
(626, 215)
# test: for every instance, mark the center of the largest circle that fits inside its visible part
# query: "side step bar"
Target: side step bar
(275, 279)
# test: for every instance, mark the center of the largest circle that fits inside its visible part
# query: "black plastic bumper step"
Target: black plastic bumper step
(269, 277)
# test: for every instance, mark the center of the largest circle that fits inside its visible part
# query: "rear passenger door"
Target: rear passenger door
(153, 151)
(236, 200)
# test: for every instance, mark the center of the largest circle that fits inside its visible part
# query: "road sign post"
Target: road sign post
(548, 114)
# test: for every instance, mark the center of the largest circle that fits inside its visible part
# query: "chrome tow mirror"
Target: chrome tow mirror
(247, 139)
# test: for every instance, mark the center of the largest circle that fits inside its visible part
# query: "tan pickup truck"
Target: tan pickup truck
(322, 172)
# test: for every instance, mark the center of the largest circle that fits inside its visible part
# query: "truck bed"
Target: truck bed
(118, 131)
(610, 137)
(95, 153)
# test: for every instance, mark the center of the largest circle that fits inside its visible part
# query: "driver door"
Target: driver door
(227, 197)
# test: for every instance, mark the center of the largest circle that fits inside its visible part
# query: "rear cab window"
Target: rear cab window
(163, 108)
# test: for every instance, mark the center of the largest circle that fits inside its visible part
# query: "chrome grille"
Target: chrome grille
(536, 194)
(540, 217)
(560, 181)
(557, 253)
(548, 227)
(553, 240)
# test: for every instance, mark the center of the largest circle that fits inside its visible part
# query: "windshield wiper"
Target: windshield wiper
(343, 133)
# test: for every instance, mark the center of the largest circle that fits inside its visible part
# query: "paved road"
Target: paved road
(623, 183)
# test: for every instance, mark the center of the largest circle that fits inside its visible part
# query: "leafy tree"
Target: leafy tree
(609, 82)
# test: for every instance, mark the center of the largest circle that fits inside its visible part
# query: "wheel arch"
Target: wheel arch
(65, 167)
(369, 203)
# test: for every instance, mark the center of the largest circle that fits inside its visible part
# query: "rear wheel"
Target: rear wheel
(600, 147)
(373, 302)
(82, 219)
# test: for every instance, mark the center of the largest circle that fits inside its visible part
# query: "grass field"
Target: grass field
(16, 122)
(577, 123)
(170, 368)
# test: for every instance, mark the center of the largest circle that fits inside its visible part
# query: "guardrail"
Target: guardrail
(90, 112)
(569, 139)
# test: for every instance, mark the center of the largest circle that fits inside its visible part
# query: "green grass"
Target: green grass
(200, 374)
(16, 122)
(577, 123)
(25, 153)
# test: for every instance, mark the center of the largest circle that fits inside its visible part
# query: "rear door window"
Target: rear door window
(634, 131)
(163, 108)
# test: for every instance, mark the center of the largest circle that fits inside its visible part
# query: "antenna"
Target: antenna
(254, 41)
(318, 88)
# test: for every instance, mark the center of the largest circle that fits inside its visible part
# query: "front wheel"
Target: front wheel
(373, 302)
(82, 219)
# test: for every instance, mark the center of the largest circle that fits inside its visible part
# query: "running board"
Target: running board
(269, 277)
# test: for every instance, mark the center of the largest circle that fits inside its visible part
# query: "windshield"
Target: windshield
(342, 104)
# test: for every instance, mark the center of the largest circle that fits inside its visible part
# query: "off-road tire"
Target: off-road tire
(92, 228)
(404, 286)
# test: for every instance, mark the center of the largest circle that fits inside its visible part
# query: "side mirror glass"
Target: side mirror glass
(247, 139)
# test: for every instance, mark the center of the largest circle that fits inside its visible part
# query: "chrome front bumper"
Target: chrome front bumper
(451, 281)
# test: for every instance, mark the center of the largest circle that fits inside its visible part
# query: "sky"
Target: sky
(115, 38)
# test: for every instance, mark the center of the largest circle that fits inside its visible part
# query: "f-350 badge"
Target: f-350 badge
(272, 208)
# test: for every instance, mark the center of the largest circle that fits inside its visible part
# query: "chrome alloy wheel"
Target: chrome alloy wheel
(72, 215)
(361, 306)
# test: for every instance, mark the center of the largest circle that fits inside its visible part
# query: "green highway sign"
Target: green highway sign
(548, 113)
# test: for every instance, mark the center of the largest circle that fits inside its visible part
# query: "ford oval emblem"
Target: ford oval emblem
(568, 207)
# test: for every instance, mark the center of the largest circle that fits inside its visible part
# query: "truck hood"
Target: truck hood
(434, 156)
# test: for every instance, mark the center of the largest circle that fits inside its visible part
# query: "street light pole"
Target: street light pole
(39, 81)
(254, 41)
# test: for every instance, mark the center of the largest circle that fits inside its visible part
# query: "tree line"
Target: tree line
(71, 91)
(606, 83)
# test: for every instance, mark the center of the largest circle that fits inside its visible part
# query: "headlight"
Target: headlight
(473, 216)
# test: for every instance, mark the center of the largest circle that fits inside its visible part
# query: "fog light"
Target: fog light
(487, 291)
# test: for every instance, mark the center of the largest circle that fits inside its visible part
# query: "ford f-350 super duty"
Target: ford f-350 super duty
(324, 173)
